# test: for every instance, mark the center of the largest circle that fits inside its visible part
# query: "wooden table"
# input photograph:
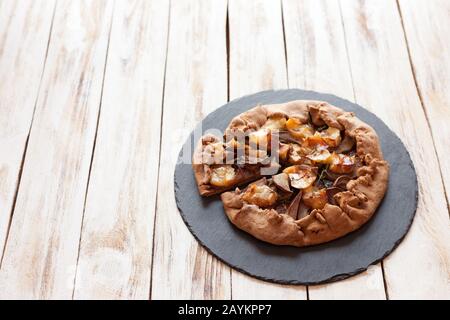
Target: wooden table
(96, 98)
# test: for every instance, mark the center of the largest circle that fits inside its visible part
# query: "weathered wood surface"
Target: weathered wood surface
(41, 253)
(427, 30)
(420, 267)
(24, 34)
(97, 97)
(196, 84)
(116, 241)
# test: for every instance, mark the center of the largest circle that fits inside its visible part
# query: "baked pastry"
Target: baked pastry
(315, 172)
(219, 166)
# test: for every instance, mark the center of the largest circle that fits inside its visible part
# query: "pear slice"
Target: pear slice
(260, 195)
(301, 176)
(281, 180)
(223, 176)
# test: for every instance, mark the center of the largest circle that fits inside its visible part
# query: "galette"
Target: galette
(298, 173)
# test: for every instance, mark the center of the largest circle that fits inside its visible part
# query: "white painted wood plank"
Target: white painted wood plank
(42, 248)
(24, 33)
(196, 83)
(316, 53)
(117, 234)
(317, 60)
(427, 26)
(420, 266)
(257, 56)
(257, 62)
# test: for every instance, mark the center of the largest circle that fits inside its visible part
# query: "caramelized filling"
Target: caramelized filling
(316, 163)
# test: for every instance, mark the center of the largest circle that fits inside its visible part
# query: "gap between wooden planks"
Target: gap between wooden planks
(25, 28)
(257, 62)
(117, 235)
(426, 29)
(317, 60)
(432, 214)
(307, 69)
(384, 83)
(41, 252)
(195, 84)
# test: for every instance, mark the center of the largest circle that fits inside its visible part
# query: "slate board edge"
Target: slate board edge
(336, 277)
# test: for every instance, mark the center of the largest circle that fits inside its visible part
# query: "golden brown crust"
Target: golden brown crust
(202, 170)
(355, 206)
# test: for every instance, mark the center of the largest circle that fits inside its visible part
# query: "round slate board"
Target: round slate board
(327, 262)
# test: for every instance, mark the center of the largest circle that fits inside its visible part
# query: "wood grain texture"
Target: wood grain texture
(427, 27)
(392, 59)
(24, 32)
(196, 84)
(41, 252)
(317, 60)
(315, 44)
(257, 62)
(383, 81)
(116, 243)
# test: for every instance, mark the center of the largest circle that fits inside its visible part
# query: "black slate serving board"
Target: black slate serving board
(322, 263)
